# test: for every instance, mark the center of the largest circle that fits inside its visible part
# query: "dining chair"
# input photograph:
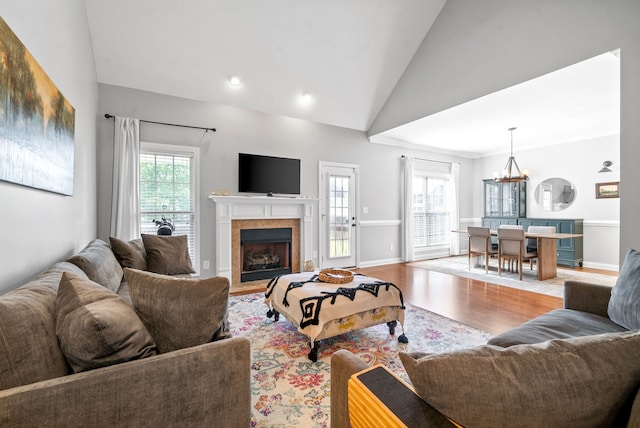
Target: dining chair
(532, 243)
(511, 247)
(480, 244)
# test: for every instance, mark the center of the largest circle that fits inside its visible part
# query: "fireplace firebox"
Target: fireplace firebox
(265, 253)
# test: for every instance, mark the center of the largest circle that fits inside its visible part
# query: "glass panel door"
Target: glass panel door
(339, 226)
(509, 199)
(339, 216)
(491, 198)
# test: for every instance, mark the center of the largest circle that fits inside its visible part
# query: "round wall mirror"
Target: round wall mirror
(555, 194)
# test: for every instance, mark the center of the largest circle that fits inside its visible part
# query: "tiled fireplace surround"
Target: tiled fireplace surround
(234, 213)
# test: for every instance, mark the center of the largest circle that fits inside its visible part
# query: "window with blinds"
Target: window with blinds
(430, 206)
(168, 186)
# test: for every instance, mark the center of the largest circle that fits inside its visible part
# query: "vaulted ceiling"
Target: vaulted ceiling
(348, 55)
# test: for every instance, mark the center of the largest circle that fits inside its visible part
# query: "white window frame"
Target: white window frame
(425, 251)
(194, 153)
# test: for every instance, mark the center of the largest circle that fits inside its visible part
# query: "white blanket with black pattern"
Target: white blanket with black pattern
(309, 304)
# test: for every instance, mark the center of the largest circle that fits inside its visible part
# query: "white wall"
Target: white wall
(241, 130)
(477, 48)
(38, 227)
(579, 163)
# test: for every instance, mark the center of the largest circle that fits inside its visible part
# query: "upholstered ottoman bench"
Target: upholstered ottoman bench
(322, 309)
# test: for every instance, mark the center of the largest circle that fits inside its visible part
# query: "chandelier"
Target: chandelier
(511, 172)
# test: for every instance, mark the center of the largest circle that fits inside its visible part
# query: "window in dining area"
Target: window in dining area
(431, 211)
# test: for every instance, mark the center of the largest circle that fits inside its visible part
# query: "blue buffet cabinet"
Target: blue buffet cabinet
(569, 250)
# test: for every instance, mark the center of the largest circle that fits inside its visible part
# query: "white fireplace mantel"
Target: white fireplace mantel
(229, 208)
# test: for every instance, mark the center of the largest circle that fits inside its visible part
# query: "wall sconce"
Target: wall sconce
(605, 166)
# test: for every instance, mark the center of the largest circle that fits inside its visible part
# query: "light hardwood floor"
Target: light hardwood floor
(489, 307)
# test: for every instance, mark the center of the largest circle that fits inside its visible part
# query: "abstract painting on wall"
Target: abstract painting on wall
(37, 123)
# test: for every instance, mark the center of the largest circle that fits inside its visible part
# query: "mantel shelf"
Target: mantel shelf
(261, 199)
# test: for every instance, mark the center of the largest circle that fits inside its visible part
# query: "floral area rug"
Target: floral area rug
(288, 390)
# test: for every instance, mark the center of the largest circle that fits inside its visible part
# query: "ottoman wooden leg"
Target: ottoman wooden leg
(392, 327)
(392, 330)
(273, 313)
(313, 353)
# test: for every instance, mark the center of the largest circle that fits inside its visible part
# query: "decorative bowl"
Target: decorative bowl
(335, 276)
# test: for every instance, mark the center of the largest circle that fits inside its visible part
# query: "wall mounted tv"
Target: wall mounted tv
(268, 174)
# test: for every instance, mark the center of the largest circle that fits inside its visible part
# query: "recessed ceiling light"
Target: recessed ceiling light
(235, 81)
(306, 98)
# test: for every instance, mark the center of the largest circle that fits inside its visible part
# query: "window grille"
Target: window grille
(430, 206)
(168, 184)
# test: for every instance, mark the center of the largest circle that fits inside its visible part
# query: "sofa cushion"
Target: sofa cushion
(168, 255)
(180, 312)
(96, 328)
(99, 263)
(29, 349)
(129, 254)
(585, 381)
(123, 293)
(556, 324)
(624, 305)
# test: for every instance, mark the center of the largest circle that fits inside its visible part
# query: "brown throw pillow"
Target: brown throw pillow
(129, 254)
(99, 263)
(584, 381)
(168, 255)
(96, 328)
(29, 349)
(180, 312)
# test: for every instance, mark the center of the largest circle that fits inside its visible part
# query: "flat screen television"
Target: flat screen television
(268, 174)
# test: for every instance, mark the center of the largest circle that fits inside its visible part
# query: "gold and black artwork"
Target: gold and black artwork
(37, 123)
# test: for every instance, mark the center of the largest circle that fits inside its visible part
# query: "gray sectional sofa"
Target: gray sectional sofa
(204, 384)
(576, 366)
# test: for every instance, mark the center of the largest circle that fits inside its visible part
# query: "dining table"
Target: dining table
(547, 266)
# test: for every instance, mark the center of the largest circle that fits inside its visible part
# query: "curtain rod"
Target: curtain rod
(430, 160)
(110, 116)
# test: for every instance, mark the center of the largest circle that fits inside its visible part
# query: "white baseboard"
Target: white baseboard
(613, 268)
(380, 262)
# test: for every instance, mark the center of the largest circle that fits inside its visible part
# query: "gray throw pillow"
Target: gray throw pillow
(624, 305)
(180, 312)
(581, 382)
(129, 254)
(168, 255)
(96, 328)
(99, 263)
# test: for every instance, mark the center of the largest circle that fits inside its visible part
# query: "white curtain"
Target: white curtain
(125, 207)
(408, 254)
(454, 214)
